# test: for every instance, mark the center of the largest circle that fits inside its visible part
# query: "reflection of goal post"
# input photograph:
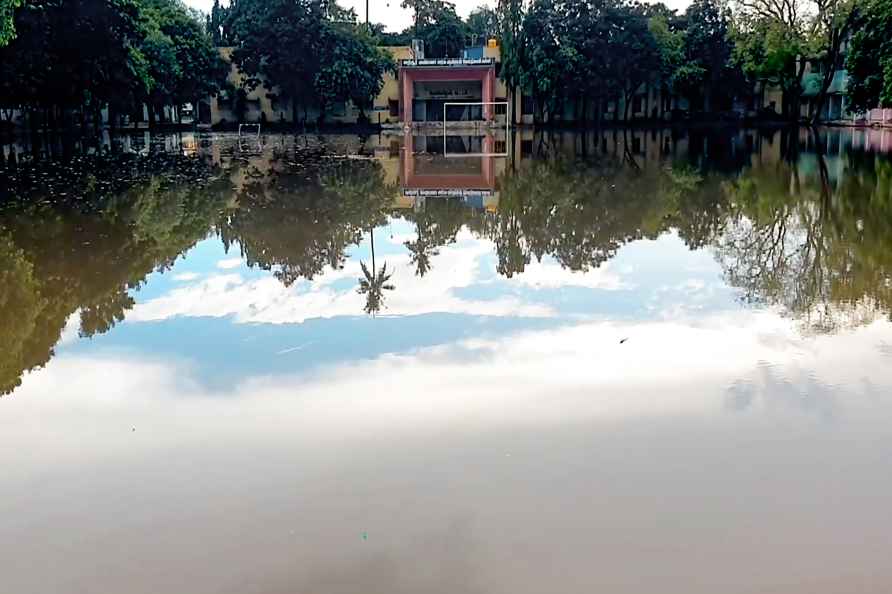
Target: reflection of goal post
(471, 103)
(249, 127)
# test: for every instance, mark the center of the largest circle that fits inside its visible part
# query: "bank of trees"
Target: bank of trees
(66, 60)
(587, 51)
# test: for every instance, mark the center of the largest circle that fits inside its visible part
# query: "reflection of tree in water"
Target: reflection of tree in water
(437, 223)
(819, 248)
(20, 307)
(579, 212)
(374, 282)
(89, 237)
(787, 233)
(296, 220)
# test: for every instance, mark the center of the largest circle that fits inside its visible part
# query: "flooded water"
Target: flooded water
(625, 362)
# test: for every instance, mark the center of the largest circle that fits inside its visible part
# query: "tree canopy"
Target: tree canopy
(869, 59)
(312, 52)
(84, 55)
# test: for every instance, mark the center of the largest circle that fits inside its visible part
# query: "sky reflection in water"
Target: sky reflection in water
(648, 361)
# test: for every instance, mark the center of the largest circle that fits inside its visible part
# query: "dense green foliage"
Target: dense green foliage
(587, 53)
(869, 59)
(777, 41)
(71, 58)
(312, 52)
(439, 26)
(7, 24)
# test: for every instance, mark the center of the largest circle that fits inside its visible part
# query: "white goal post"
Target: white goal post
(240, 126)
(481, 103)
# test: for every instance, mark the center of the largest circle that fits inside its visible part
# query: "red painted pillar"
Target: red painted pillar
(406, 97)
(488, 91)
(408, 154)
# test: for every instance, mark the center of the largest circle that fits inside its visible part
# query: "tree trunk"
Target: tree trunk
(796, 90)
(837, 35)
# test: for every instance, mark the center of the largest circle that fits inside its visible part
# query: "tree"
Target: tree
(277, 41)
(869, 59)
(7, 23)
(352, 68)
(510, 29)
(85, 55)
(310, 51)
(548, 60)
(834, 23)
(437, 23)
(483, 24)
(374, 282)
(705, 71)
(780, 39)
(633, 54)
(670, 40)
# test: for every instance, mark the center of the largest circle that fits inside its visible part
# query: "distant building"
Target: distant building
(417, 94)
(469, 89)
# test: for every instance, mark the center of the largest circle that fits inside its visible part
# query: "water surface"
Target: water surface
(626, 361)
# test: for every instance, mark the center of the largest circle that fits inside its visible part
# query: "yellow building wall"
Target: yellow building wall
(391, 89)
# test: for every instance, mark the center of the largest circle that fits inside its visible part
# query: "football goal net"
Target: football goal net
(249, 129)
(481, 104)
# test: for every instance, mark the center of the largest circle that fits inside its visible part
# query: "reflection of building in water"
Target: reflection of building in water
(469, 173)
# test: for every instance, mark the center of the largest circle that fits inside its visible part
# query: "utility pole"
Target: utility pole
(367, 26)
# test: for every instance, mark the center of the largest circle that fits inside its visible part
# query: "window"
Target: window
(639, 103)
(527, 106)
(394, 106)
(526, 148)
(500, 146)
(636, 145)
(500, 109)
(338, 109)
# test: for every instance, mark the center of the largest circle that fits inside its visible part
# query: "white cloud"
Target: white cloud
(186, 276)
(229, 263)
(571, 374)
(549, 274)
(267, 300)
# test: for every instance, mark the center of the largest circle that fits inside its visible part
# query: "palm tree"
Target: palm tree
(374, 284)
